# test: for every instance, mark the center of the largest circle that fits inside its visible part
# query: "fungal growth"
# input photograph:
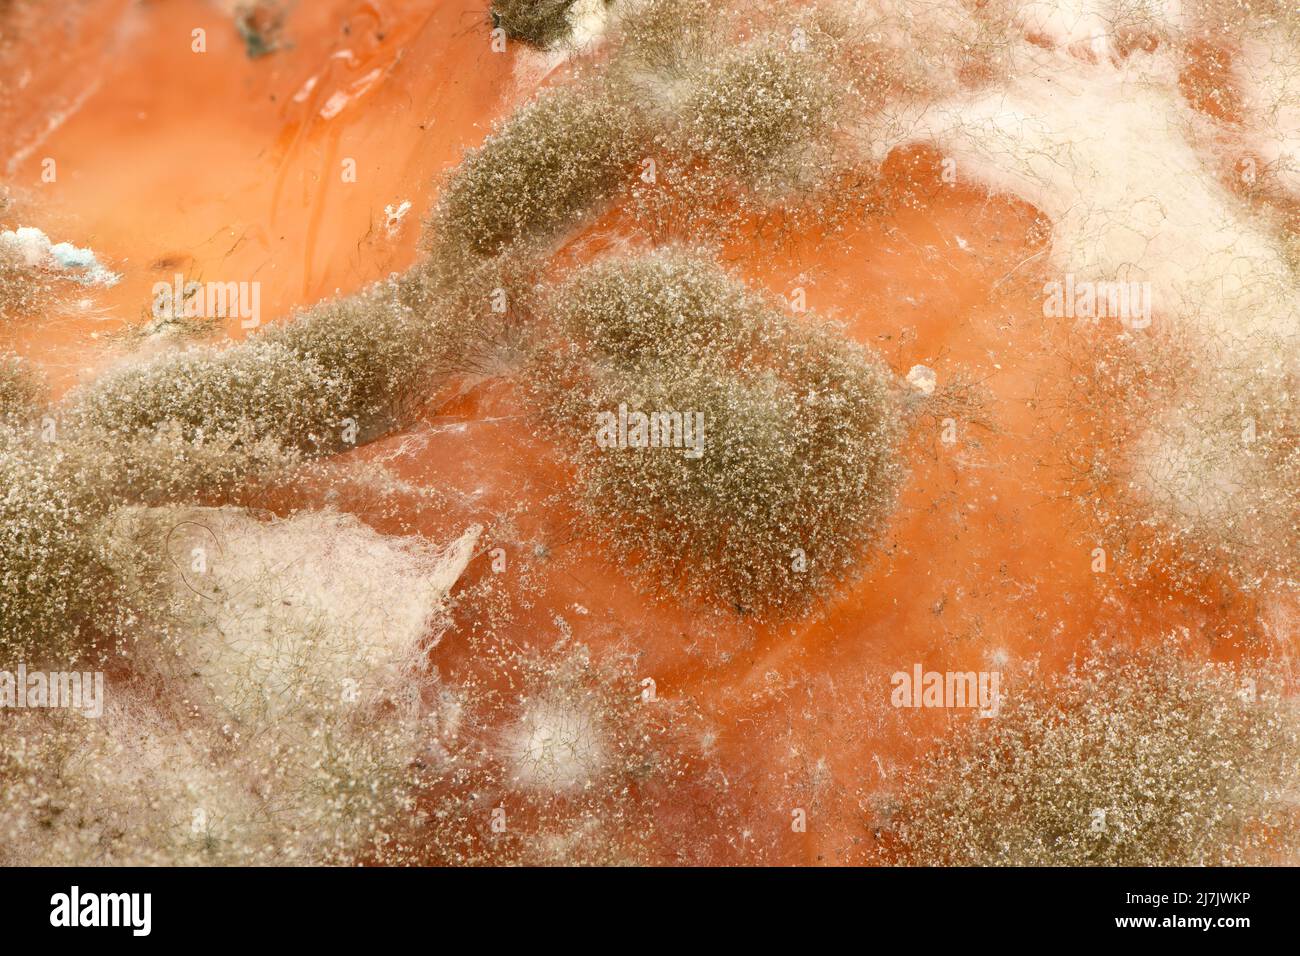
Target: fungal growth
(533, 432)
(745, 457)
(544, 24)
(539, 173)
(1129, 759)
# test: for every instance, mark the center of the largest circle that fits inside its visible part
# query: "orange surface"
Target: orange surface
(227, 168)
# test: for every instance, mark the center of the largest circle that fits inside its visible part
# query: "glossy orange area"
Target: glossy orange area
(220, 167)
(223, 167)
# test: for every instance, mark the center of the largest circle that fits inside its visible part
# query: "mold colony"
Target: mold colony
(499, 643)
